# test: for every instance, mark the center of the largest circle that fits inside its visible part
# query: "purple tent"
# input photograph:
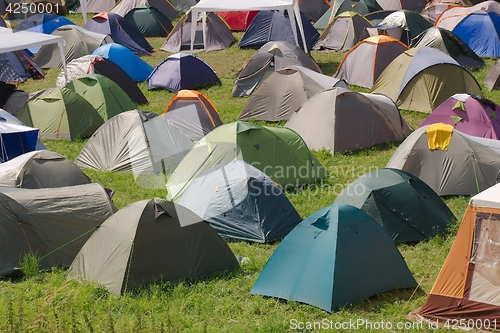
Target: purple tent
(470, 114)
(122, 31)
(182, 71)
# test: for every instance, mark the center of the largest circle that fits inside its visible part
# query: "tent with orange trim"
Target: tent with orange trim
(193, 113)
(364, 63)
(467, 286)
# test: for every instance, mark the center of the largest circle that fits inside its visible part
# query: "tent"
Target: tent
(313, 9)
(44, 23)
(147, 242)
(103, 94)
(240, 202)
(449, 43)
(216, 35)
(60, 113)
(182, 71)
(51, 223)
(137, 142)
(403, 205)
(359, 6)
(135, 67)
(79, 42)
(238, 21)
(450, 162)
(193, 113)
(376, 17)
(16, 138)
(6, 90)
(284, 91)
(421, 79)
(183, 6)
(492, 79)
(434, 9)
(270, 57)
(41, 169)
(14, 41)
(466, 287)
(271, 25)
(18, 66)
(95, 6)
(469, 114)
(402, 24)
(336, 257)
(95, 64)
(278, 152)
(291, 6)
(123, 7)
(343, 32)
(122, 31)
(339, 119)
(365, 61)
(150, 21)
(479, 29)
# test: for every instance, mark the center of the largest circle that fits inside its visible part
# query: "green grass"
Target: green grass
(46, 302)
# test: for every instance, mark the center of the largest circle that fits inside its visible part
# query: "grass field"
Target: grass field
(46, 302)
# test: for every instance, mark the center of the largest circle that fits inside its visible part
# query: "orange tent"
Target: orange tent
(468, 286)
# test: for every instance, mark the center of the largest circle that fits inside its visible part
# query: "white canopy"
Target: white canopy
(489, 198)
(205, 6)
(20, 40)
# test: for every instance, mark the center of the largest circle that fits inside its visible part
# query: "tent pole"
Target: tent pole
(299, 23)
(63, 58)
(194, 15)
(83, 6)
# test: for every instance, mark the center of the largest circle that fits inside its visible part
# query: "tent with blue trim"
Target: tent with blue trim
(122, 31)
(135, 67)
(182, 71)
(16, 138)
(336, 257)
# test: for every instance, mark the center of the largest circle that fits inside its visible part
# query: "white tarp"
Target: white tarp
(488, 198)
(291, 6)
(20, 40)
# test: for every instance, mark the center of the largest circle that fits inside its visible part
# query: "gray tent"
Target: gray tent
(339, 119)
(450, 162)
(314, 9)
(148, 242)
(79, 42)
(284, 91)
(51, 223)
(183, 5)
(492, 79)
(41, 169)
(218, 36)
(97, 6)
(135, 141)
(270, 57)
(241, 202)
(124, 6)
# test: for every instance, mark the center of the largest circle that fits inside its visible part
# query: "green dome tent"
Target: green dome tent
(150, 21)
(278, 152)
(403, 205)
(103, 94)
(60, 113)
(151, 241)
(336, 257)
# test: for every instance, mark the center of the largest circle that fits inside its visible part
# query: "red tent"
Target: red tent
(238, 21)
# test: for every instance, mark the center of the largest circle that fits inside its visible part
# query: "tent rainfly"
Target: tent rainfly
(292, 6)
(21, 40)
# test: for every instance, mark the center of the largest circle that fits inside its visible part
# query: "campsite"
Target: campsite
(48, 292)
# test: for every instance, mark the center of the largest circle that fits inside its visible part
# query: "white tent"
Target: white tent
(20, 40)
(292, 6)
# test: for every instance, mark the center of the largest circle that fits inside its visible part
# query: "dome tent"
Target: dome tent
(150, 21)
(336, 257)
(103, 94)
(240, 202)
(182, 71)
(61, 113)
(269, 58)
(151, 241)
(403, 205)
(41, 169)
(123, 7)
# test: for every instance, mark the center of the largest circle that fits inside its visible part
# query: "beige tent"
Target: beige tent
(151, 241)
(52, 224)
(284, 91)
(339, 119)
(41, 169)
(450, 162)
